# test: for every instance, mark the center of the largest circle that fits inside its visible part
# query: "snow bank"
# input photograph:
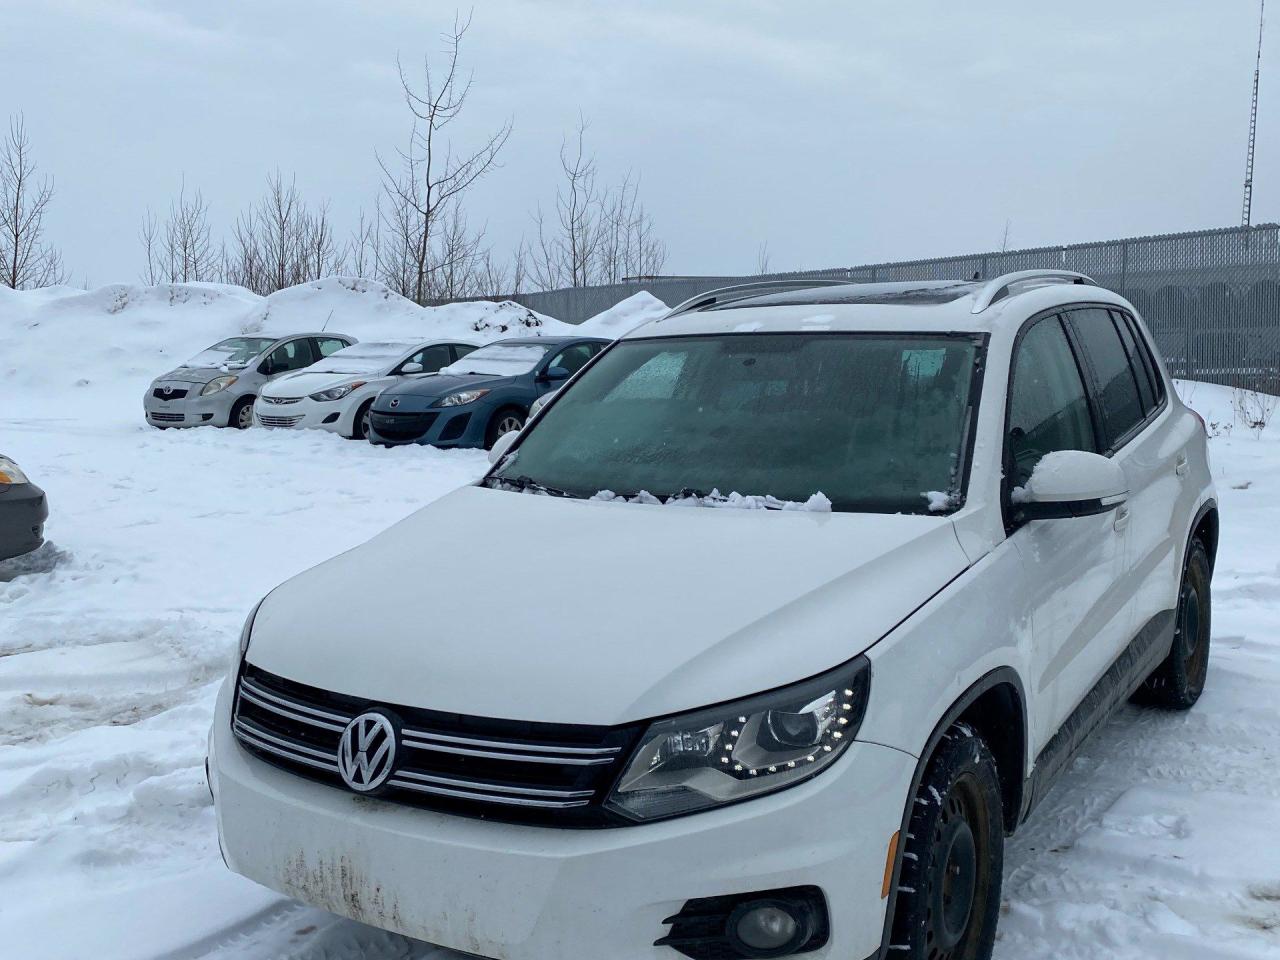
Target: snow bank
(626, 316)
(89, 355)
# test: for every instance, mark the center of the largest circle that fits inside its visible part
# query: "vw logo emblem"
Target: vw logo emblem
(367, 752)
(395, 402)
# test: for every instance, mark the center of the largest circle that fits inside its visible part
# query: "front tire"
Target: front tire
(504, 421)
(360, 425)
(948, 894)
(241, 417)
(1178, 682)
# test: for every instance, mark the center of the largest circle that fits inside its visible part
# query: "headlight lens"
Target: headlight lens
(745, 749)
(217, 384)
(337, 393)
(9, 472)
(458, 399)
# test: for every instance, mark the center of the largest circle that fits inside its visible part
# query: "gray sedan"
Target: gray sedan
(217, 386)
(23, 511)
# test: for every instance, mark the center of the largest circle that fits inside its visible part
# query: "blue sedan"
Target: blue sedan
(474, 401)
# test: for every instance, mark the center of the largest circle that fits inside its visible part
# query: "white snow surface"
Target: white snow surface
(817, 503)
(625, 316)
(1160, 841)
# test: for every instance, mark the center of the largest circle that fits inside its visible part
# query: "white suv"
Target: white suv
(832, 581)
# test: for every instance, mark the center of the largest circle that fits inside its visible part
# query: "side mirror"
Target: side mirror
(1070, 483)
(411, 368)
(555, 373)
(502, 445)
(267, 367)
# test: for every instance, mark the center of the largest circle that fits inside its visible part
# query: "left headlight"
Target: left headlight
(458, 399)
(743, 749)
(10, 473)
(217, 384)
(337, 393)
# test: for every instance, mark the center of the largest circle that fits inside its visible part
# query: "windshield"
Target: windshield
(500, 359)
(370, 357)
(872, 422)
(232, 352)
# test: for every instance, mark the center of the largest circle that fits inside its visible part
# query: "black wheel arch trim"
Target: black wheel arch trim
(1209, 506)
(1000, 676)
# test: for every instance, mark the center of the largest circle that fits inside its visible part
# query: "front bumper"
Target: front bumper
(463, 426)
(23, 511)
(191, 410)
(300, 414)
(537, 893)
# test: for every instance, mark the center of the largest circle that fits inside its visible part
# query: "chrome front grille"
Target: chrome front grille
(279, 423)
(281, 400)
(497, 769)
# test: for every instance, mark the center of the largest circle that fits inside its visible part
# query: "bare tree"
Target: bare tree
(365, 244)
(598, 234)
(26, 261)
(182, 251)
(429, 179)
(762, 258)
(280, 242)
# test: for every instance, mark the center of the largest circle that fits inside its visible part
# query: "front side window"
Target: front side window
(1048, 407)
(1114, 378)
(573, 358)
(293, 355)
(432, 358)
(873, 422)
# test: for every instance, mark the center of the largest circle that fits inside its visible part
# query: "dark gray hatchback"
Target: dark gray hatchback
(23, 511)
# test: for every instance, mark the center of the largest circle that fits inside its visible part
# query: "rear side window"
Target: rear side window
(1114, 379)
(1144, 363)
(1048, 407)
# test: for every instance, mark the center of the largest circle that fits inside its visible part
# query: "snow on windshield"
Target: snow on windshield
(818, 503)
(372, 357)
(502, 360)
(232, 352)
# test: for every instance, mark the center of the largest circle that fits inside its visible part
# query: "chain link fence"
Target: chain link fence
(1211, 297)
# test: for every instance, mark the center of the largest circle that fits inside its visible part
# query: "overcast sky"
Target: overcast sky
(840, 132)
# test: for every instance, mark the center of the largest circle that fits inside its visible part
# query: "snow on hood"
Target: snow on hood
(619, 614)
(309, 381)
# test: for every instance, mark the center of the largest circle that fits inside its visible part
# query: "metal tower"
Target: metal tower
(1247, 215)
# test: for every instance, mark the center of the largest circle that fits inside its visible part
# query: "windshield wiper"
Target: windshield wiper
(528, 485)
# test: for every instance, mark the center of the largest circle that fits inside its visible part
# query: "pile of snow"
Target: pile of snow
(625, 316)
(91, 354)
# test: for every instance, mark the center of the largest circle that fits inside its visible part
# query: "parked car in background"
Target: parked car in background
(337, 392)
(832, 581)
(217, 386)
(23, 511)
(487, 393)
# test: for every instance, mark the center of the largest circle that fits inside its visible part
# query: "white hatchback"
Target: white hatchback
(833, 580)
(337, 393)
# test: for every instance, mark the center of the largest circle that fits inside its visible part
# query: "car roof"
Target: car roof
(546, 341)
(925, 306)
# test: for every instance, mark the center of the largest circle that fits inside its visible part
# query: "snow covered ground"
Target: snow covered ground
(1161, 841)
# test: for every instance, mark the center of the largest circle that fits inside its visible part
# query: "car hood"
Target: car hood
(196, 374)
(516, 606)
(433, 385)
(302, 384)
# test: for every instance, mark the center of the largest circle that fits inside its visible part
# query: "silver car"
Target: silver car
(217, 386)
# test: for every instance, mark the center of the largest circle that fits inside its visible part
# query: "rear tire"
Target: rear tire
(241, 417)
(504, 421)
(948, 895)
(1178, 682)
(360, 425)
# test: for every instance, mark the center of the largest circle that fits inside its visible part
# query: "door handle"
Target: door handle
(1122, 519)
(1182, 466)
